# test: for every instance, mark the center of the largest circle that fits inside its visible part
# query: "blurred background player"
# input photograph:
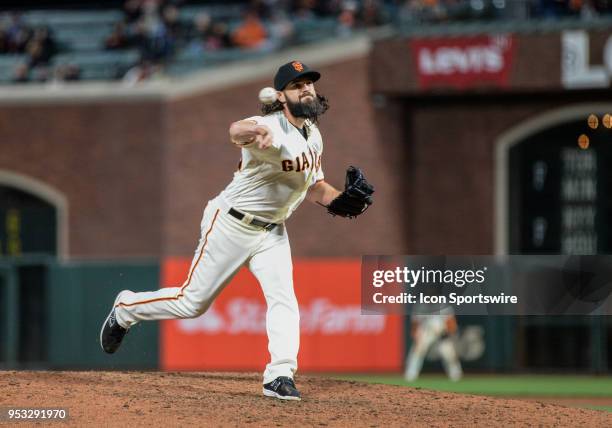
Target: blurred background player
(426, 330)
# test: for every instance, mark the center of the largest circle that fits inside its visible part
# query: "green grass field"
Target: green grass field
(527, 386)
(509, 385)
(604, 408)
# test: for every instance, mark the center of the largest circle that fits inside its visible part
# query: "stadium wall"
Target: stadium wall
(437, 104)
(137, 167)
(104, 158)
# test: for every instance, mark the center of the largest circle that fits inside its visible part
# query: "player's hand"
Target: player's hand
(263, 137)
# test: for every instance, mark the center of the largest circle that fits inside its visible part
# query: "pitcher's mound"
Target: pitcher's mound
(136, 399)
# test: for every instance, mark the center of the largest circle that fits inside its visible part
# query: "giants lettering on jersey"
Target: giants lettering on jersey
(302, 162)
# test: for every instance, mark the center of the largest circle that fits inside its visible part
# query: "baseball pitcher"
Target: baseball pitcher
(245, 225)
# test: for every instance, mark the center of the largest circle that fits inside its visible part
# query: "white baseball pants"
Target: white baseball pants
(427, 334)
(226, 244)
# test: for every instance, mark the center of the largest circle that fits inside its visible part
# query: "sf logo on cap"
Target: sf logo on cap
(297, 66)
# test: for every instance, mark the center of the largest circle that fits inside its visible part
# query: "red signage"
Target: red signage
(463, 62)
(335, 336)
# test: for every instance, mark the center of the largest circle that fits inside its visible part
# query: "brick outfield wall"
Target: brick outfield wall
(447, 137)
(449, 159)
(105, 158)
(138, 174)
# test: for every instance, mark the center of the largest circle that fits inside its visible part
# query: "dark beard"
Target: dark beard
(307, 110)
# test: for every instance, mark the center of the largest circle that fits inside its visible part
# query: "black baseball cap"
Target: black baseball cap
(291, 71)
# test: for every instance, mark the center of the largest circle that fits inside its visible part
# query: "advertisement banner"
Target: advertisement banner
(577, 71)
(463, 62)
(335, 335)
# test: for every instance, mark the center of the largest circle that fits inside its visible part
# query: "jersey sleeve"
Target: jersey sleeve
(270, 123)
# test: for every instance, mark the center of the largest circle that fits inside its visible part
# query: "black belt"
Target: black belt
(267, 226)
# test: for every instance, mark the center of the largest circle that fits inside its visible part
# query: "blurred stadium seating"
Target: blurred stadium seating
(80, 36)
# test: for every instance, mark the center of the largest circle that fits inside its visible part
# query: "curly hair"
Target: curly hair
(267, 109)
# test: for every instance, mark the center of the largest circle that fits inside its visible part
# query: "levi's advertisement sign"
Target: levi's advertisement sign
(334, 335)
(463, 62)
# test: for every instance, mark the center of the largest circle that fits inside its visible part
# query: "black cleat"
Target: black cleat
(111, 334)
(282, 387)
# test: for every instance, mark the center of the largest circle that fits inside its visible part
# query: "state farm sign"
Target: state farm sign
(334, 334)
(463, 62)
(320, 316)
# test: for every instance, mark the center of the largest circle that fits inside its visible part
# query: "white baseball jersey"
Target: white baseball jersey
(271, 183)
(434, 322)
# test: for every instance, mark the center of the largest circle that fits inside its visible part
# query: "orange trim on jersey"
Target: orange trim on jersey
(187, 281)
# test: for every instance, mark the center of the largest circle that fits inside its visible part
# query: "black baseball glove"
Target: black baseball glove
(355, 199)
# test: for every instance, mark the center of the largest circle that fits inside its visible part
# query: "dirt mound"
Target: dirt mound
(234, 399)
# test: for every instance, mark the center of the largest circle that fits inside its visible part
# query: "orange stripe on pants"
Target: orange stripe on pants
(187, 282)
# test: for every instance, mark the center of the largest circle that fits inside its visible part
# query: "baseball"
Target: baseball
(267, 95)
